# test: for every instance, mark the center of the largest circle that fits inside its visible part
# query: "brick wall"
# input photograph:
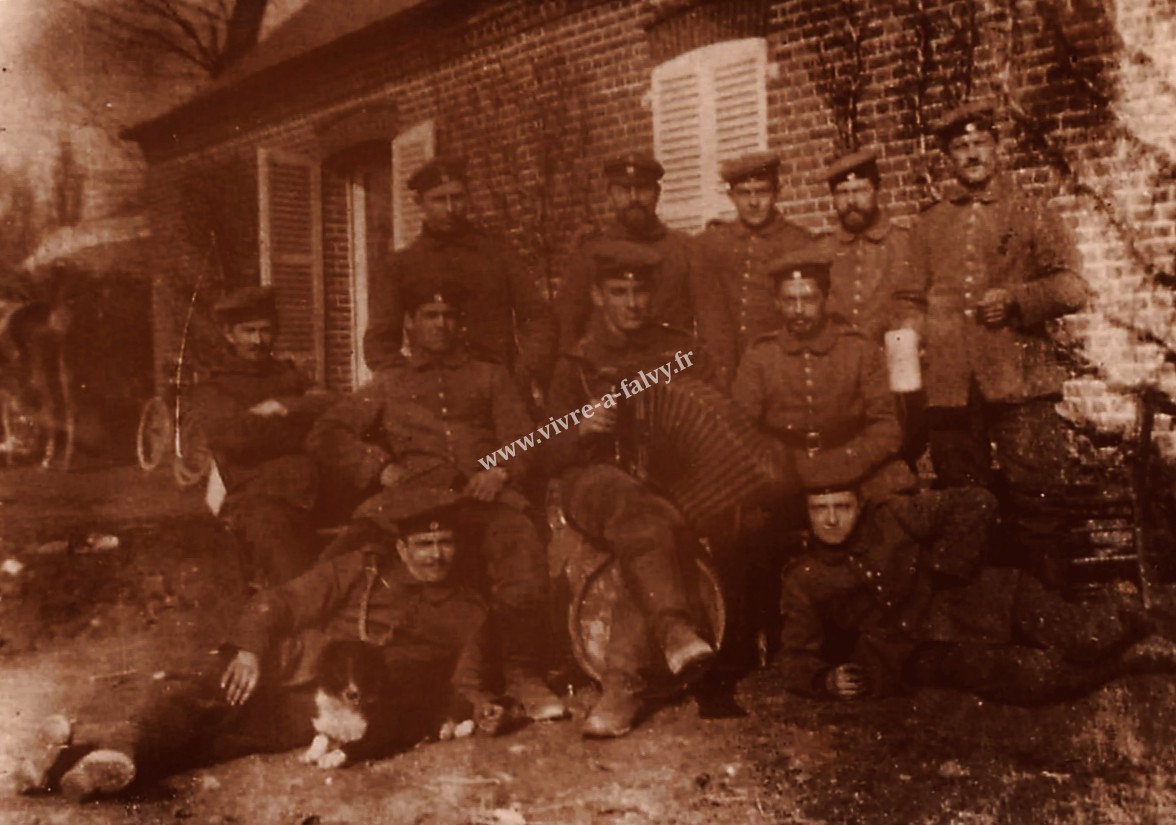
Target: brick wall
(536, 94)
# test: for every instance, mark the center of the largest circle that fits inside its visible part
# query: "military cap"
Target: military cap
(422, 509)
(411, 508)
(247, 303)
(617, 258)
(436, 172)
(860, 164)
(810, 262)
(751, 165)
(633, 168)
(417, 291)
(975, 116)
(829, 473)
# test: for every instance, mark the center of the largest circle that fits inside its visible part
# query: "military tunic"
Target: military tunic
(501, 296)
(271, 484)
(911, 599)
(963, 246)
(738, 257)
(435, 417)
(613, 508)
(683, 295)
(866, 268)
(827, 399)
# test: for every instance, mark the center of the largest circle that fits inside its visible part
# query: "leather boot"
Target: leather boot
(616, 711)
(40, 770)
(98, 773)
(522, 647)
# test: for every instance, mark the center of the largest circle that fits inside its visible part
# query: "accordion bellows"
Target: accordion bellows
(703, 453)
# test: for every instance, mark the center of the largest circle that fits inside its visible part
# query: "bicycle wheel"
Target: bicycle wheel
(193, 457)
(154, 440)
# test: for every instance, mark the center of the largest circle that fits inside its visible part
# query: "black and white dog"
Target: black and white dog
(351, 678)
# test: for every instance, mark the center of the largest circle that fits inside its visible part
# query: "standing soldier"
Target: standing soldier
(870, 253)
(993, 264)
(737, 254)
(498, 284)
(255, 411)
(427, 422)
(682, 294)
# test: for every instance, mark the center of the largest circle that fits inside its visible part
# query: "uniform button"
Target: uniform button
(743, 328)
(808, 398)
(967, 296)
(444, 410)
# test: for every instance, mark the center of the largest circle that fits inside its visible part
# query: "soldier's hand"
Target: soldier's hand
(994, 308)
(846, 681)
(486, 485)
(240, 677)
(391, 475)
(601, 423)
(269, 408)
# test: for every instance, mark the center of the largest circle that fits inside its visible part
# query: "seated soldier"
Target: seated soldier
(429, 632)
(894, 595)
(426, 421)
(821, 387)
(615, 510)
(255, 411)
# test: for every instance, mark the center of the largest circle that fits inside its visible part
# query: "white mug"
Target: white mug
(902, 360)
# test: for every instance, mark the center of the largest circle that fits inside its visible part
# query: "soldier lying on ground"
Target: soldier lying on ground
(895, 595)
(430, 631)
(602, 498)
(423, 423)
(255, 411)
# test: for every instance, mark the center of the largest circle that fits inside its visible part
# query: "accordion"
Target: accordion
(692, 444)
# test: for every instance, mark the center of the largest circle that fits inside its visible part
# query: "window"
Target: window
(709, 105)
(410, 149)
(290, 237)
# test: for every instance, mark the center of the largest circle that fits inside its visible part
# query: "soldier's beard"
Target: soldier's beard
(856, 220)
(637, 219)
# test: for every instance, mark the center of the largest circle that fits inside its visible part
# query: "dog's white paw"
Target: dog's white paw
(332, 759)
(464, 729)
(317, 749)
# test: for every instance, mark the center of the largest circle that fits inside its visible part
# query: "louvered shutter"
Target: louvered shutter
(678, 138)
(291, 253)
(410, 150)
(709, 105)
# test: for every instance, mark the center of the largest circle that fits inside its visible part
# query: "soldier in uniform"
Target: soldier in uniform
(737, 254)
(683, 295)
(255, 412)
(426, 421)
(600, 497)
(397, 595)
(870, 253)
(992, 264)
(506, 295)
(895, 595)
(821, 387)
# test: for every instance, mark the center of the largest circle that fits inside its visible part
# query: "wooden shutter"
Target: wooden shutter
(709, 105)
(290, 235)
(410, 149)
(678, 140)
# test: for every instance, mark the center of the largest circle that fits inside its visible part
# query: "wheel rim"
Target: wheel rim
(193, 458)
(154, 437)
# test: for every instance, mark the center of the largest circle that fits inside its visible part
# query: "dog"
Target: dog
(352, 679)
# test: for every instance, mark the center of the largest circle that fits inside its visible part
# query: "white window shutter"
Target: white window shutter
(410, 150)
(290, 236)
(678, 141)
(738, 73)
(709, 105)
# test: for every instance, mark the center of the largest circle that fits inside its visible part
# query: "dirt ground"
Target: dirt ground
(85, 626)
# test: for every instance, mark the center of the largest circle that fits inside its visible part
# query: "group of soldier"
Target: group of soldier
(442, 565)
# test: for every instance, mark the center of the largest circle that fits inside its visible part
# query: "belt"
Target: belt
(813, 441)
